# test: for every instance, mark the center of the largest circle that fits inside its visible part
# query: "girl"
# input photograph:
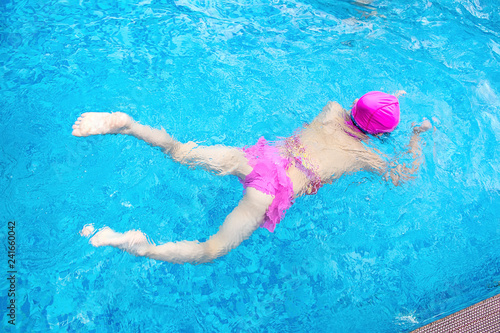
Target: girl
(274, 175)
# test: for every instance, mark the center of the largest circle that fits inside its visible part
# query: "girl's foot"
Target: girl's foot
(93, 123)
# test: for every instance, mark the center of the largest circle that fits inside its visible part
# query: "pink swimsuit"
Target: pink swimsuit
(269, 176)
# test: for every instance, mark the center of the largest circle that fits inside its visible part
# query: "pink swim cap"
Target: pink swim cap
(376, 112)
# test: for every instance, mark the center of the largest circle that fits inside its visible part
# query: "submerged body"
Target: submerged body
(273, 176)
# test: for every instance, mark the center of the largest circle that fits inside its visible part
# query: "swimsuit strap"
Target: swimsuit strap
(297, 152)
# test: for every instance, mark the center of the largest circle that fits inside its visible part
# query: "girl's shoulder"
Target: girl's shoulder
(331, 112)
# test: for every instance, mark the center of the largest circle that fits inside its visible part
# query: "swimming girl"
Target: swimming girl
(273, 174)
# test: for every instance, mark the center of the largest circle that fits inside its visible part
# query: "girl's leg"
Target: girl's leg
(237, 227)
(219, 159)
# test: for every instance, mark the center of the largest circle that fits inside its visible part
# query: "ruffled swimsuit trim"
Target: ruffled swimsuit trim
(269, 176)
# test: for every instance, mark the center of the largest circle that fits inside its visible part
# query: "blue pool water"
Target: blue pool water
(361, 256)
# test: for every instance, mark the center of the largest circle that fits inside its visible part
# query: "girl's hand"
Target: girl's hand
(425, 126)
(399, 93)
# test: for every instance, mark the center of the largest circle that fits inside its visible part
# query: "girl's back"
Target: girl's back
(332, 147)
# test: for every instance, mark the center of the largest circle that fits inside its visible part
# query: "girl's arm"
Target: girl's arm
(398, 172)
(237, 227)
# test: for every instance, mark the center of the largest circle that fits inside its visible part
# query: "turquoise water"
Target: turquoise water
(361, 256)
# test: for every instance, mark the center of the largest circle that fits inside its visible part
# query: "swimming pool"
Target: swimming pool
(360, 256)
